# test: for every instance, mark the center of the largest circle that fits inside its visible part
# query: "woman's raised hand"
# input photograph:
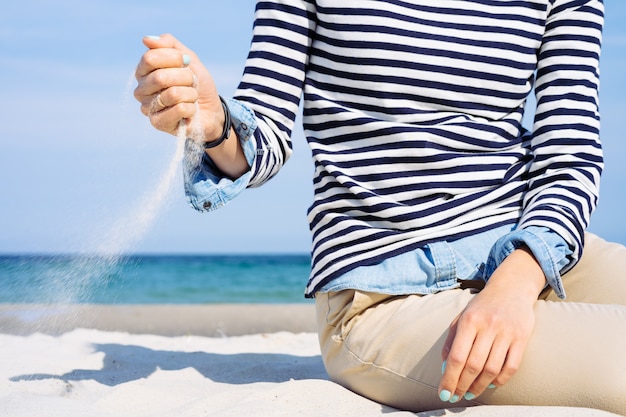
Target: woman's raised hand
(173, 85)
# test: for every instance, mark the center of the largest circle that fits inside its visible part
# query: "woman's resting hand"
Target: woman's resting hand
(486, 342)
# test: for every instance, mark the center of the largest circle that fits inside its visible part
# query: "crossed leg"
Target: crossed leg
(387, 348)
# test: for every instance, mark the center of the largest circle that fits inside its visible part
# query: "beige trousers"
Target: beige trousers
(387, 348)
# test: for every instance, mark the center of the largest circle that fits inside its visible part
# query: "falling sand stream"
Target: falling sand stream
(70, 281)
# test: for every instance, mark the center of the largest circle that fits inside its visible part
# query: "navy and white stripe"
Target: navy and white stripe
(413, 112)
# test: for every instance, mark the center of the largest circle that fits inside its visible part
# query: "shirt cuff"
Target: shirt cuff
(548, 248)
(206, 187)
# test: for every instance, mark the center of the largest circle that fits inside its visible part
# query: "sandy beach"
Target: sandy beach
(178, 360)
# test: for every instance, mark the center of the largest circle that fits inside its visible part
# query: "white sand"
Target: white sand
(96, 373)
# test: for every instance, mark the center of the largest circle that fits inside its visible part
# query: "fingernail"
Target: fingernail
(455, 399)
(186, 59)
(445, 395)
(469, 396)
(443, 367)
(153, 37)
(491, 386)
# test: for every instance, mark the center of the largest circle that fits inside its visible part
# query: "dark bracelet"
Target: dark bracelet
(227, 125)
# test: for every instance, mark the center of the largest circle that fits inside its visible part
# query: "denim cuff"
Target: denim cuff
(206, 187)
(548, 248)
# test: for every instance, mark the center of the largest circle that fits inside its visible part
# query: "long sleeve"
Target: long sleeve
(273, 79)
(567, 156)
(265, 104)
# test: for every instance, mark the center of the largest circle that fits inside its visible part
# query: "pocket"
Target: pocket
(331, 309)
(362, 301)
(336, 306)
(341, 309)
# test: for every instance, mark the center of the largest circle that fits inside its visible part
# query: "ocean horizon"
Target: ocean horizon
(153, 278)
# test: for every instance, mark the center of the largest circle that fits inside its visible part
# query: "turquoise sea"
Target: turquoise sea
(154, 279)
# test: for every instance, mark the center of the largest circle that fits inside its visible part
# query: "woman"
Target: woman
(445, 235)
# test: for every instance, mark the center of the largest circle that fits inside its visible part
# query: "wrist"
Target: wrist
(220, 129)
(522, 272)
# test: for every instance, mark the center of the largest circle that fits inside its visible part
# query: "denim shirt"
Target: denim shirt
(441, 265)
(435, 267)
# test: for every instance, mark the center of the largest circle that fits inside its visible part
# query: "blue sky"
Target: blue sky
(76, 154)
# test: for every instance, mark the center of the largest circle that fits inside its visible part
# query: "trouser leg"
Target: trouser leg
(387, 348)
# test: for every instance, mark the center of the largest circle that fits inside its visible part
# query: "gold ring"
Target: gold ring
(158, 102)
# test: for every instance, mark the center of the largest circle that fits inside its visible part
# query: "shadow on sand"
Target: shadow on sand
(126, 363)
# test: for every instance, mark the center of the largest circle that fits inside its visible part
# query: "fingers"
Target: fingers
(476, 362)
(155, 59)
(474, 353)
(468, 375)
(175, 85)
(167, 108)
(511, 364)
(162, 66)
(484, 365)
(168, 119)
(459, 354)
(164, 51)
(169, 98)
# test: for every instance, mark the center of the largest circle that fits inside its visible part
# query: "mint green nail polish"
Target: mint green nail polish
(455, 399)
(186, 59)
(491, 386)
(443, 367)
(469, 396)
(153, 37)
(445, 395)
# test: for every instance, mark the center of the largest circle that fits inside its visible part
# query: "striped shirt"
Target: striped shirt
(413, 111)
